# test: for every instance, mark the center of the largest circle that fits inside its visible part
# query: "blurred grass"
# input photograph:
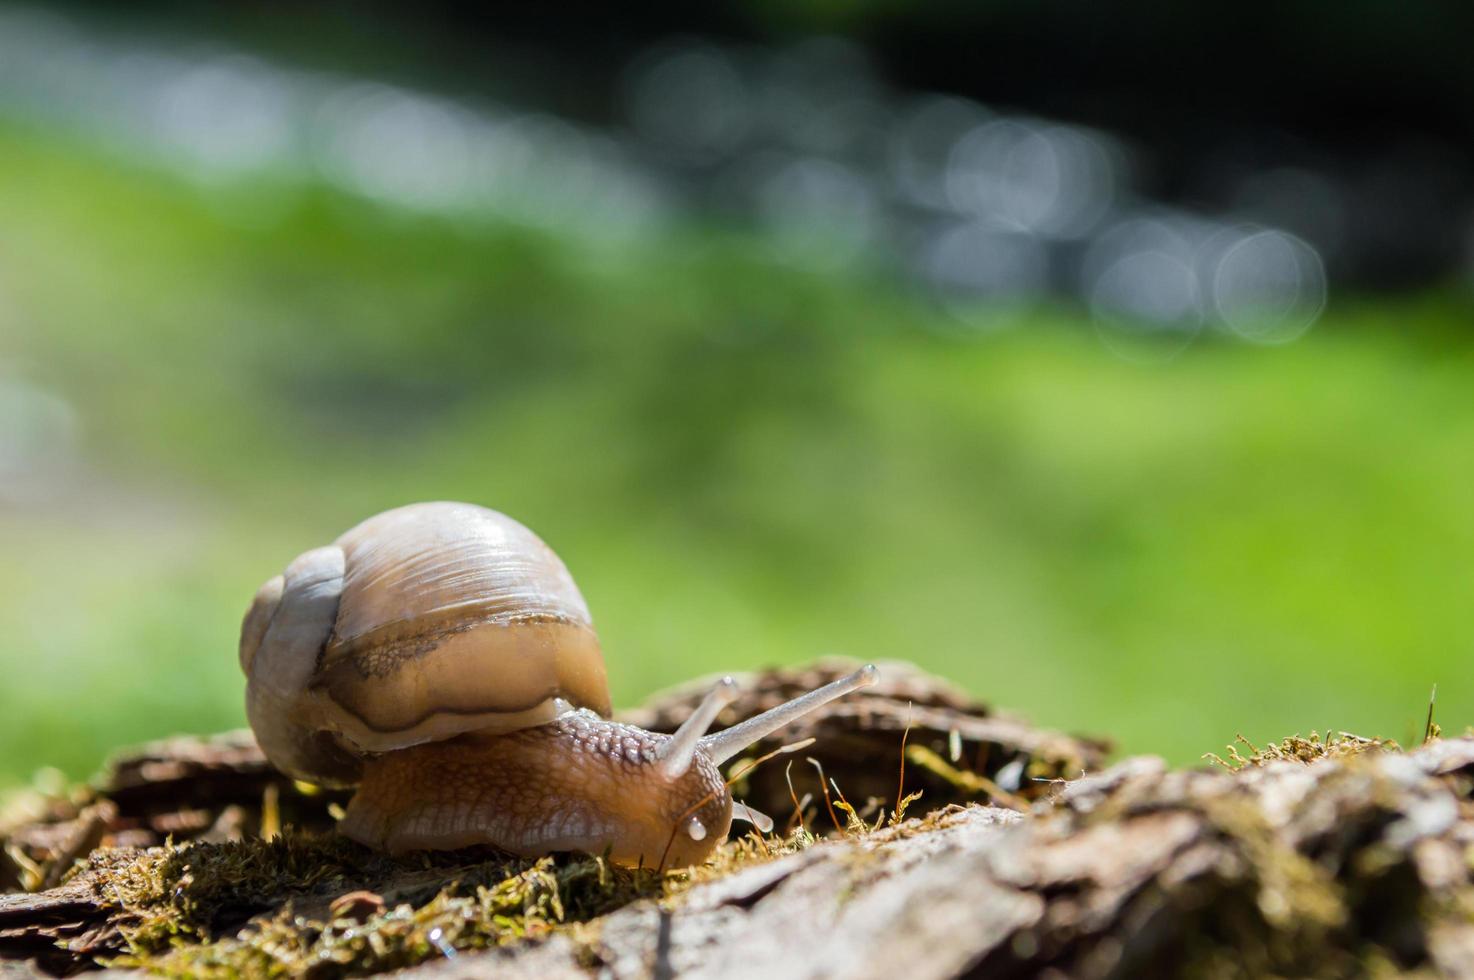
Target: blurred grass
(743, 464)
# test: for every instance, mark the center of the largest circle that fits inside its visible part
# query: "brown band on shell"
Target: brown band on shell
(420, 623)
(475, 672)
(384, 650)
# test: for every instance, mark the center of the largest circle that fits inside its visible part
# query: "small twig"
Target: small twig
(901, 784)
(270, 812)
(780, 750)
(1428, 727)
(969, 781)
(798, 810)
(845, 805)
(825, 789)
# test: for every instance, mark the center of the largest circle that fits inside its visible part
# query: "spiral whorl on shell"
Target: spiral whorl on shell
(419, 624)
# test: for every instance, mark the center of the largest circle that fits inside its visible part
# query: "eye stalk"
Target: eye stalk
(759, 819)
(675, 756)
(440, 656)
(691, 745)
(729, 742)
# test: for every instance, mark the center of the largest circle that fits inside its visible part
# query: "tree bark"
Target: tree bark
(1310, 859)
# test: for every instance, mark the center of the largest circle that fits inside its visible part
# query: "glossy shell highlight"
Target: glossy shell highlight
(419, 624)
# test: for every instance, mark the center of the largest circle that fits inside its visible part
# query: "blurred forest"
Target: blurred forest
(1117, 367)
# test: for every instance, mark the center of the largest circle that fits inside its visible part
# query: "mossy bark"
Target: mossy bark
(1339, 858)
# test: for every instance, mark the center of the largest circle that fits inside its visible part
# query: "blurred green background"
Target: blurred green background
(745, 460)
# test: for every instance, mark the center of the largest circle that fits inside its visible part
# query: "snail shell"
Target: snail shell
(417, 625)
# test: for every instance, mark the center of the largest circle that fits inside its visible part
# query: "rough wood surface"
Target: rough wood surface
(1340, 867)
(1310, 860)
(221, 787)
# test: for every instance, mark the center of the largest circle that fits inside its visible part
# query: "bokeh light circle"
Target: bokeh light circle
(984, 276)
(1269, 287)
(1147, 305)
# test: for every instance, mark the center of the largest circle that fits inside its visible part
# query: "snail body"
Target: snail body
(440, 658)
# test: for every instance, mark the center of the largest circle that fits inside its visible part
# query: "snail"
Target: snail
(439, 658)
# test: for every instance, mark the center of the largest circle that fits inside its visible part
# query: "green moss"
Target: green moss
(259, 908)
(471, 912)
(1297, 748)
